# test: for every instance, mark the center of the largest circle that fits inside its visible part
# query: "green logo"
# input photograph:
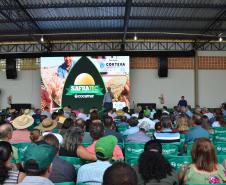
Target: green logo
(84, 89)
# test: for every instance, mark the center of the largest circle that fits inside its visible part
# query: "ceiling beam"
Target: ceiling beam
(126, 18)
(74, 4)
(147, 18)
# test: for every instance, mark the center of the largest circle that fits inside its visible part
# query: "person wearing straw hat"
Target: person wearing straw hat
(21, 123)
(47, 126)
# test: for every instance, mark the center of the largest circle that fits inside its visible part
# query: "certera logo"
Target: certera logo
(114, 64)
(84, 89)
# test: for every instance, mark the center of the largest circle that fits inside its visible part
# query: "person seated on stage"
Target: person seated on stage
(38, 164)
(46, 112)
(140, 137)
(97, 132)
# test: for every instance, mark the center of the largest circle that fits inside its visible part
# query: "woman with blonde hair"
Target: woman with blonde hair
(204, 168)
(183, 124)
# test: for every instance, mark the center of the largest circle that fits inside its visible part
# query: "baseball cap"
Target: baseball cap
(42, 154)
(105, 146)
(145, 125)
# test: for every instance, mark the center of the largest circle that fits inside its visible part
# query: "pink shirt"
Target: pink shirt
(117, 153)
(20, 136)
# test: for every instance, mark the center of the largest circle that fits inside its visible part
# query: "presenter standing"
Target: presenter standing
(107, 101)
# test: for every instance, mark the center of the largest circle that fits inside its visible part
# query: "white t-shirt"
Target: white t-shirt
(216, 124)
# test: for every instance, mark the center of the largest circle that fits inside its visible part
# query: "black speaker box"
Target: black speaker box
(162, 67)
(11, 72)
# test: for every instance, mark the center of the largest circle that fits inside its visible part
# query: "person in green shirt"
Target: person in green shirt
(204, 168)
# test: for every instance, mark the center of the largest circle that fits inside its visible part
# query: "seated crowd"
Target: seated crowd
(51, 140)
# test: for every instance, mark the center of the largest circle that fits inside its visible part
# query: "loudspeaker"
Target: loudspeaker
(11, 72)
(163, 67)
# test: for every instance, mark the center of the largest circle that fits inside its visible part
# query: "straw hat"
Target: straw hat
(47, 125)
(22, 122)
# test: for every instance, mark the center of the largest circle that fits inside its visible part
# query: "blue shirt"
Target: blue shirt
(92, 173)
(36, 180)
(182, 103)
(131, 130)
(196, 132)
(62, 71)
(138, 137)
(108, 97)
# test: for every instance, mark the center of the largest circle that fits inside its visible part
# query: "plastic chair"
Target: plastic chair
(178, 161)
(189, 147)
(122, 128)
(132, 152)
(219, 137)
(219, 130)
(65, 183)
(221, 158)
(169, 149)
(75, 161)
(220, 148)
(22, 147)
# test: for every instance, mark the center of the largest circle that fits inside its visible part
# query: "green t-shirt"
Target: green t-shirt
(194, 176)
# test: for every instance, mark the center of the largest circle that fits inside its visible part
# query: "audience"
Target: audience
(133, 122)
(62, 171)
(92, 173)
(72, 145)
(6, 132)
(167, 134)
(35, 135)
(102, 138)
(153, 168)
(120, 174)
(97, 132)
(47, 126)
(38, 164)
(8, 173)
(140, 137)
(109, 129)
(68, 123)
(204, 168)
(196, 131)
(21, 123)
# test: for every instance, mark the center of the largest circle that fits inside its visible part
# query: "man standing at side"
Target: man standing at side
(107, 101)
(64, 68)
(182, 102)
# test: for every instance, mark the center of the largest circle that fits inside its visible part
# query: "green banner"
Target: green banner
(84, 89)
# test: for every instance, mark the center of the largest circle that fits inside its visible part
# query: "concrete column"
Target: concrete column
(196, 79)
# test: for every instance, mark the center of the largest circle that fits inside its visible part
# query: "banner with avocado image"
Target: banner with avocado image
(81, 82)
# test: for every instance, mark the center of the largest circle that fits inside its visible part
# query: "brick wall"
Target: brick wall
(205, 62)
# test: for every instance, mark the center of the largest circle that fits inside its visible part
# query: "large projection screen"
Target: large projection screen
(81, 82)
